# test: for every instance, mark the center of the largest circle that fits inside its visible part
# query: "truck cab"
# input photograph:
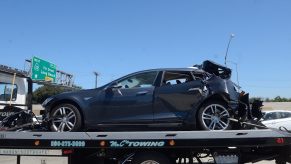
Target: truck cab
(15, 91)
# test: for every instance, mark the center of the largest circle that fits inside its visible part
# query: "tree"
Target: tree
(278, 99)
(42, 93)
(267, 100)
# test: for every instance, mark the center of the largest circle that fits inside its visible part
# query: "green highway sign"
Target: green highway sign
(42, 70)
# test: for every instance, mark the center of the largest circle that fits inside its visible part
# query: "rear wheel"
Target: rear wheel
(65, 118)
(214, 115)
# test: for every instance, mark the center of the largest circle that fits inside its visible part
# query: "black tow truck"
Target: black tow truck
(24, 140)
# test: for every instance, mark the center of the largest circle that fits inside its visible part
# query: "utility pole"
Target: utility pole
(230, 38)
(96, 78)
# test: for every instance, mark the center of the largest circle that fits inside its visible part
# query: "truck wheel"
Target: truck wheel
(214, 115)
(150, 158)
(65, 118)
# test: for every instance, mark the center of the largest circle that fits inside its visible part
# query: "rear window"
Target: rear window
(176, 77)
(285, 115)
(6, 90)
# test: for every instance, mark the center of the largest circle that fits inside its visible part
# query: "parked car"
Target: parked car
(277, 118)
(201, 97)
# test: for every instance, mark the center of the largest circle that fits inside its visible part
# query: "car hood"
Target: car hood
(85, 92)
(74, 95)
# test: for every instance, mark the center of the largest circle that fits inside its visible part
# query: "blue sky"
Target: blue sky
(117, 37)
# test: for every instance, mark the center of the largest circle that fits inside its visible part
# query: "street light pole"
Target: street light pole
(236, 68)
(226, 53)
(96, 78)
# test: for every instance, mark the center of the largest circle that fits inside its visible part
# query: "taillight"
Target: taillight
(280, 141)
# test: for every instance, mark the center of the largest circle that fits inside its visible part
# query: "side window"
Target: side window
(142, 80)
(288, 114)
(176, 77)
(271, 116)
(285, 114)
(5, 92)
(280, 115)
(267, 116)
(275, 115)
(198, 76)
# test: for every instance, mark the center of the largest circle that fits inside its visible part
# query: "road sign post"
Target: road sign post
(42, 70)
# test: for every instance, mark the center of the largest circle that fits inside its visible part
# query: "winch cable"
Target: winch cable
(284, 129)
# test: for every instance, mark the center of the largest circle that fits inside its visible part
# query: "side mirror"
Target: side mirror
(114, 86)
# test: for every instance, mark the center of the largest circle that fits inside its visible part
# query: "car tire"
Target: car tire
(214, 115)
(65, 118)
(150, 158)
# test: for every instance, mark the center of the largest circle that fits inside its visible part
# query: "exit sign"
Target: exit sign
(42, 70)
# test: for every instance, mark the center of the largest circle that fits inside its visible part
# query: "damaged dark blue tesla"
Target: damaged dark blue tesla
(198, 98)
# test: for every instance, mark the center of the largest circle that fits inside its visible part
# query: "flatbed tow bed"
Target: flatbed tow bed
(233, 146)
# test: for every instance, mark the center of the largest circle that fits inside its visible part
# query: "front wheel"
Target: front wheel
(214, 115)
(65, 118)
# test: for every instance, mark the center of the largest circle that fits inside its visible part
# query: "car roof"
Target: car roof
(195, 69)
(174, 69)
(272, 111)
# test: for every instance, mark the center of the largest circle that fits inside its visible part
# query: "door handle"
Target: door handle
(140, 93)
(195, 89)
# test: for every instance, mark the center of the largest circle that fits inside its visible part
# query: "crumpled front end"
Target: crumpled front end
(249, 111)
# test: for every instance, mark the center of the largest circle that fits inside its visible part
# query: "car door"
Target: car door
(129, 100)
(178, 93)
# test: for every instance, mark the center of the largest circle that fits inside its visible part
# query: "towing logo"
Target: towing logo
(126, 143)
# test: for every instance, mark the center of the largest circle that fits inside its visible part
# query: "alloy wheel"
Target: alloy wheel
(63, 119)
(215, 117)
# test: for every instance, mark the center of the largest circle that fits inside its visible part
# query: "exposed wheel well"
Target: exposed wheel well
(216, 97)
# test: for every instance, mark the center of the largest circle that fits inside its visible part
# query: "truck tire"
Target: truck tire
(65, 118)
(150, 158)
(214, 115)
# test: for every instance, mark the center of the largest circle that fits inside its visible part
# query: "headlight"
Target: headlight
(46, 101)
